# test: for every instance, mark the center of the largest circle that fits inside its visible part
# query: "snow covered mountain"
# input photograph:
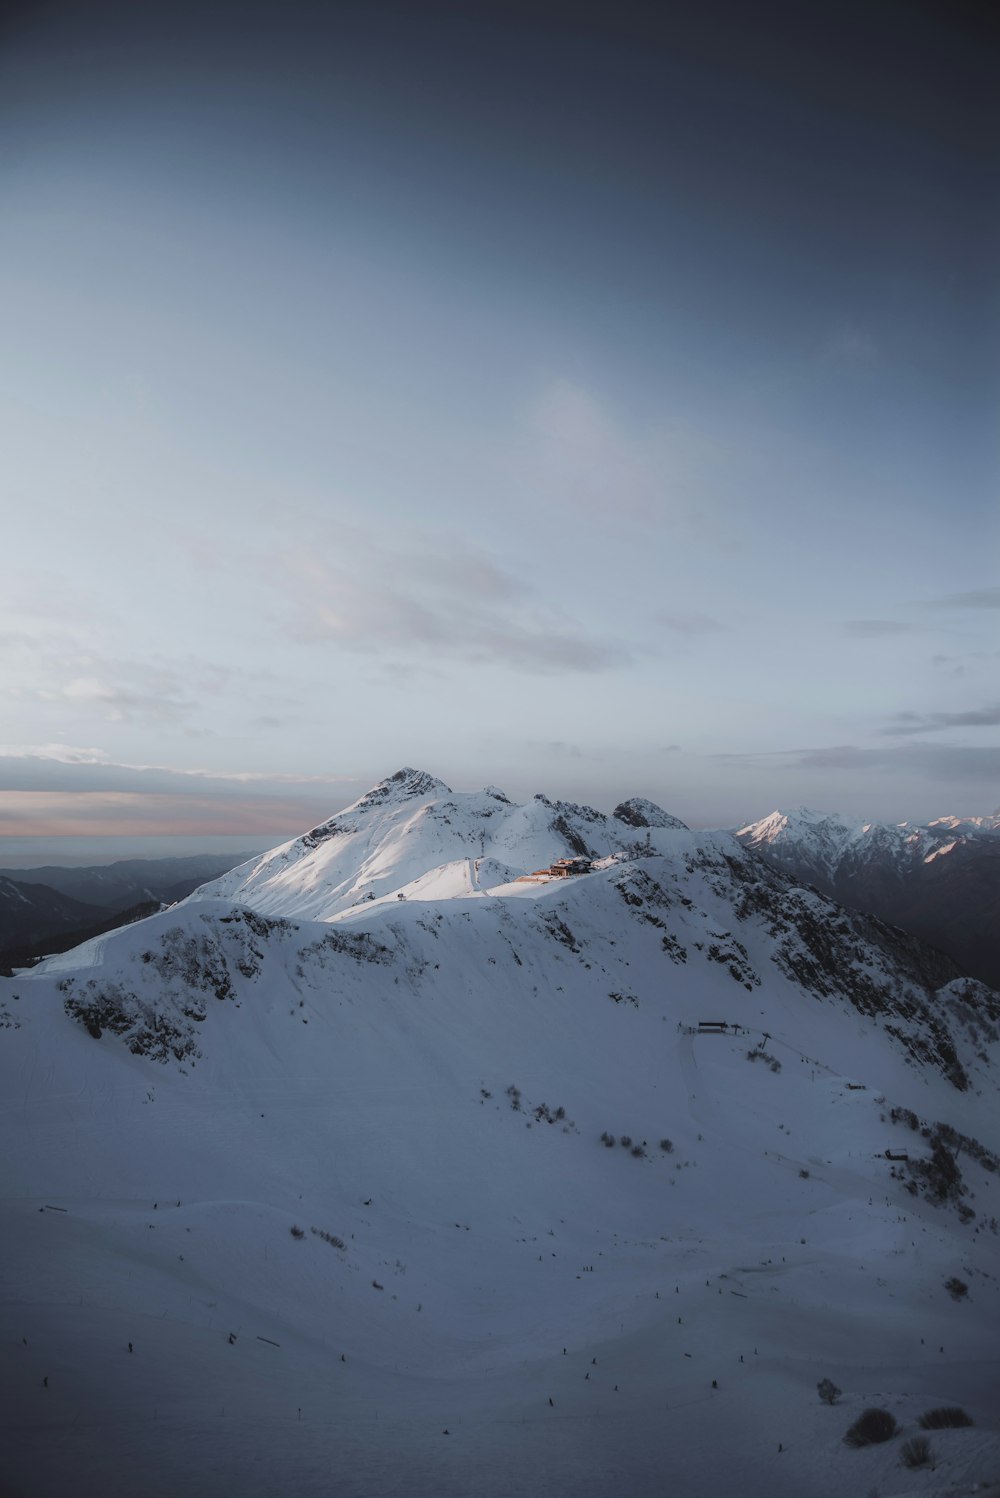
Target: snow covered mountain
(411, 835)
(393, 1162)
(940, 880)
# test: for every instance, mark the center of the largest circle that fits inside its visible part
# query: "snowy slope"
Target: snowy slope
(487, 1297)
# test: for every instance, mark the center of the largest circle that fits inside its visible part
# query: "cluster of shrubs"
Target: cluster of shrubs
(874, 1426)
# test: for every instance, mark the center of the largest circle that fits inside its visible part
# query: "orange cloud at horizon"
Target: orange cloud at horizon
(138, 814)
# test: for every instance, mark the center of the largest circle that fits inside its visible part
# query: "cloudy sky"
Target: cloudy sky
(599, 402)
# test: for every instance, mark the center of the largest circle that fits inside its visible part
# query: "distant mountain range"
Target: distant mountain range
(939, 880)
(54, 909)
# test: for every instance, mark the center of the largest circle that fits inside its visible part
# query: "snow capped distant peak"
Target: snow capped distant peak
(989, 823)
(797, 822)
(496, 794)
(638, 812)
(816, 840)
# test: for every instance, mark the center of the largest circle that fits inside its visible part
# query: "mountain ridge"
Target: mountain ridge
(940, 879)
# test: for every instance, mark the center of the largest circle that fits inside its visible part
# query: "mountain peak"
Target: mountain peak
(405, 785)
(796, 819)
(638, 812)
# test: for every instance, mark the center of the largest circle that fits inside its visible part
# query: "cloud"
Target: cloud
(125, 813)
(909, 723)
(58, 790)
(444, 604)
(124, 704)
(873, 629)
(66, 754)
(62, 767)
(929, 761)
(977, 598)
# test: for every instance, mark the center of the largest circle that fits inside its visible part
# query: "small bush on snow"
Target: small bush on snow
(916, 1452)
(828, 1391)
(948, 1417)
(871, 1428)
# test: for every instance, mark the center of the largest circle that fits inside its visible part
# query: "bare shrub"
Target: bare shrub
(916, 1452)
(871, 1428)
(948, 1417)
(667, 1146)
(828, 1391)
(298, 1232)
(956, 1288)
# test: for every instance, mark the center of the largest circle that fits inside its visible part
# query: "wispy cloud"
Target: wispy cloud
(911, 723)
(64, 790)
(70, 768)
(165, 701)
(128, 813)
(64, 754)
(930, 761)
(976, 598)
(457, 604)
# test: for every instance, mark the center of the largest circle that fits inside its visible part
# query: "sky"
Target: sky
(598, 401)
